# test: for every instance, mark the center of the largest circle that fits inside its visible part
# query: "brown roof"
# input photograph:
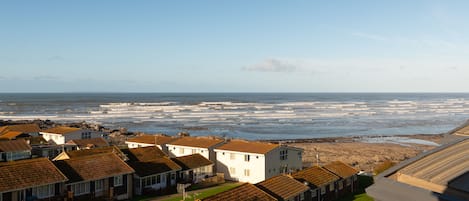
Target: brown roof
(245, 192)
(341, 169)
(14, 145)
(10, 135)
(24, 128)
(151, 139)
(91, 142)
(144, 154)
(248, 146)
(93, 167)
(61, 130)
(315, 175)
(192, 161)
(28, 173)
(99, 150)
(202, 142)
(283, 187)
(149, 161)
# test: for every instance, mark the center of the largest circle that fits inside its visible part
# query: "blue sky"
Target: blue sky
(234, 46)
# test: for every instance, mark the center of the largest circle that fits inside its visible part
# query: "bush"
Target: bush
(382, 167)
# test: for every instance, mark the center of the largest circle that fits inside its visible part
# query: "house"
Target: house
(150, 140)
(253, 162)
(154, 170)
(321, 182)
(42, 148)
(68, 154)
(88, 143)
(187, 145)
(439, 174)
(245, 192)
(285, 188)
(63, 134)
(11, 132)
(30, 179)
(11, 150)
(348, 182)
(195, 168)
(97, 176)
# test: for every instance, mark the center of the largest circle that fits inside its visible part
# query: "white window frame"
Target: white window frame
(247, 157)
(341, 184)
(181, 150)
(247, 172)
(42, 192)
(314, 193)
(232, 170)
(118, 180)
(99, 185)
(81, 188)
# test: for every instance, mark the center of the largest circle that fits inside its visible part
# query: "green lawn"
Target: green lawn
(360, 195)
(204, 193)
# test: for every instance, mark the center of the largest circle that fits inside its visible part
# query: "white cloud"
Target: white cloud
(272, 65)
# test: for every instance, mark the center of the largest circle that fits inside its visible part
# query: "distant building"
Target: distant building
(42, 148)
(63, 134)
(88, 143)
(195, 168)
(150, 140)
(11, 150)
(285, 188)
(249, 161)
(245, 192)
(321, 182)
(11, 132)
(204, 146)
(68, 154)
(348, 182)
(30, 180)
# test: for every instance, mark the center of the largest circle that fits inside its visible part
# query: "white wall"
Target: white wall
(132, 145)
(275, 166)
(255, 166)
(175, 151)
(61, 139)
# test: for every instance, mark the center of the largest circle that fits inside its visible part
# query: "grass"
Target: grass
(360, 195)
(200, 194)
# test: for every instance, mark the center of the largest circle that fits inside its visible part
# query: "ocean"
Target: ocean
(249, 115)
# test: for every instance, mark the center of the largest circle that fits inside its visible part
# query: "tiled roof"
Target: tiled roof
(28, 173)
(245, 192)
(24, 128)
(151, 139)
(340, 169)
(202, 142)
(99, 150)
(93, 167)
(61, 130)
(93, 142)
(143, 154)
(248, 146)
(14, 145)
(315, 175)
(283, 187)
(192, 161)
(10, 135)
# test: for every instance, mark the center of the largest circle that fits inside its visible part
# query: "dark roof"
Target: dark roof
(315, 175)
(61, 130)
(151, 139)
(149, 160)
(93, 167)
(24, 128)
(248, 146)
(39, 140)
(245, 192)
(91, 142)
(143, 154)
(28, 173)
(99, 150)
(283, 187)
(340, 169)
(202, 142)
(192, 161)
(14, 145)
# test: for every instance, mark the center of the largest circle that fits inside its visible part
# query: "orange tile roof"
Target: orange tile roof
(24, 128)
(283, 187)
(28, 173)
(99, 150)
(315, 175)
(248, 146)
(10, 134)
(192, 161)
(149, 161)
(95, 142)
(61, 130)
(151, 139)
(245, 192)
(14, 146)
(93, 167)
(202, 142)
(340, 169)
(144, 154)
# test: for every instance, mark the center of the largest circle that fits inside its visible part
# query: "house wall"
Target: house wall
(276, 165)
(61, 139)
(12, 156)
(227, 161)
(175, 151)
(153, 182)
(132, 145)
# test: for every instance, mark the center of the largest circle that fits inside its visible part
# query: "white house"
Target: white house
(150, 140)
(204, 146)
(253, 162)
(62, 134)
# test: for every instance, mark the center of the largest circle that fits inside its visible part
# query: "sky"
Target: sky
(234, 46)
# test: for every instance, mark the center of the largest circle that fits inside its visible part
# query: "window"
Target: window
(81, 188)
(313, 193)
(247, 172)
(173, 176)
(283, 154)
(194, 151)
(44, 191)
(331, 187)
(323, 190)
(118, 181)
(232, 170)
(99, 185)
(232, 156)
(246, 157)
(86, 135)
(302, 196)
(158, 179)
(299, 155)
(341, 185)
(153, 180)
(181, 150)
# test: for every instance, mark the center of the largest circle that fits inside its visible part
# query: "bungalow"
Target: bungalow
(204, 146)
(68, 154)
(100, 175)
(42, 148)
(153, 169)
(321, 182)
(245, 192)
(159, 140)
(11, 132)
(88, 143)
(195, 168)
(348, 182)
(30, 180)
(12, 150)
(285, 188)
(253, 162)
(63, 134)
